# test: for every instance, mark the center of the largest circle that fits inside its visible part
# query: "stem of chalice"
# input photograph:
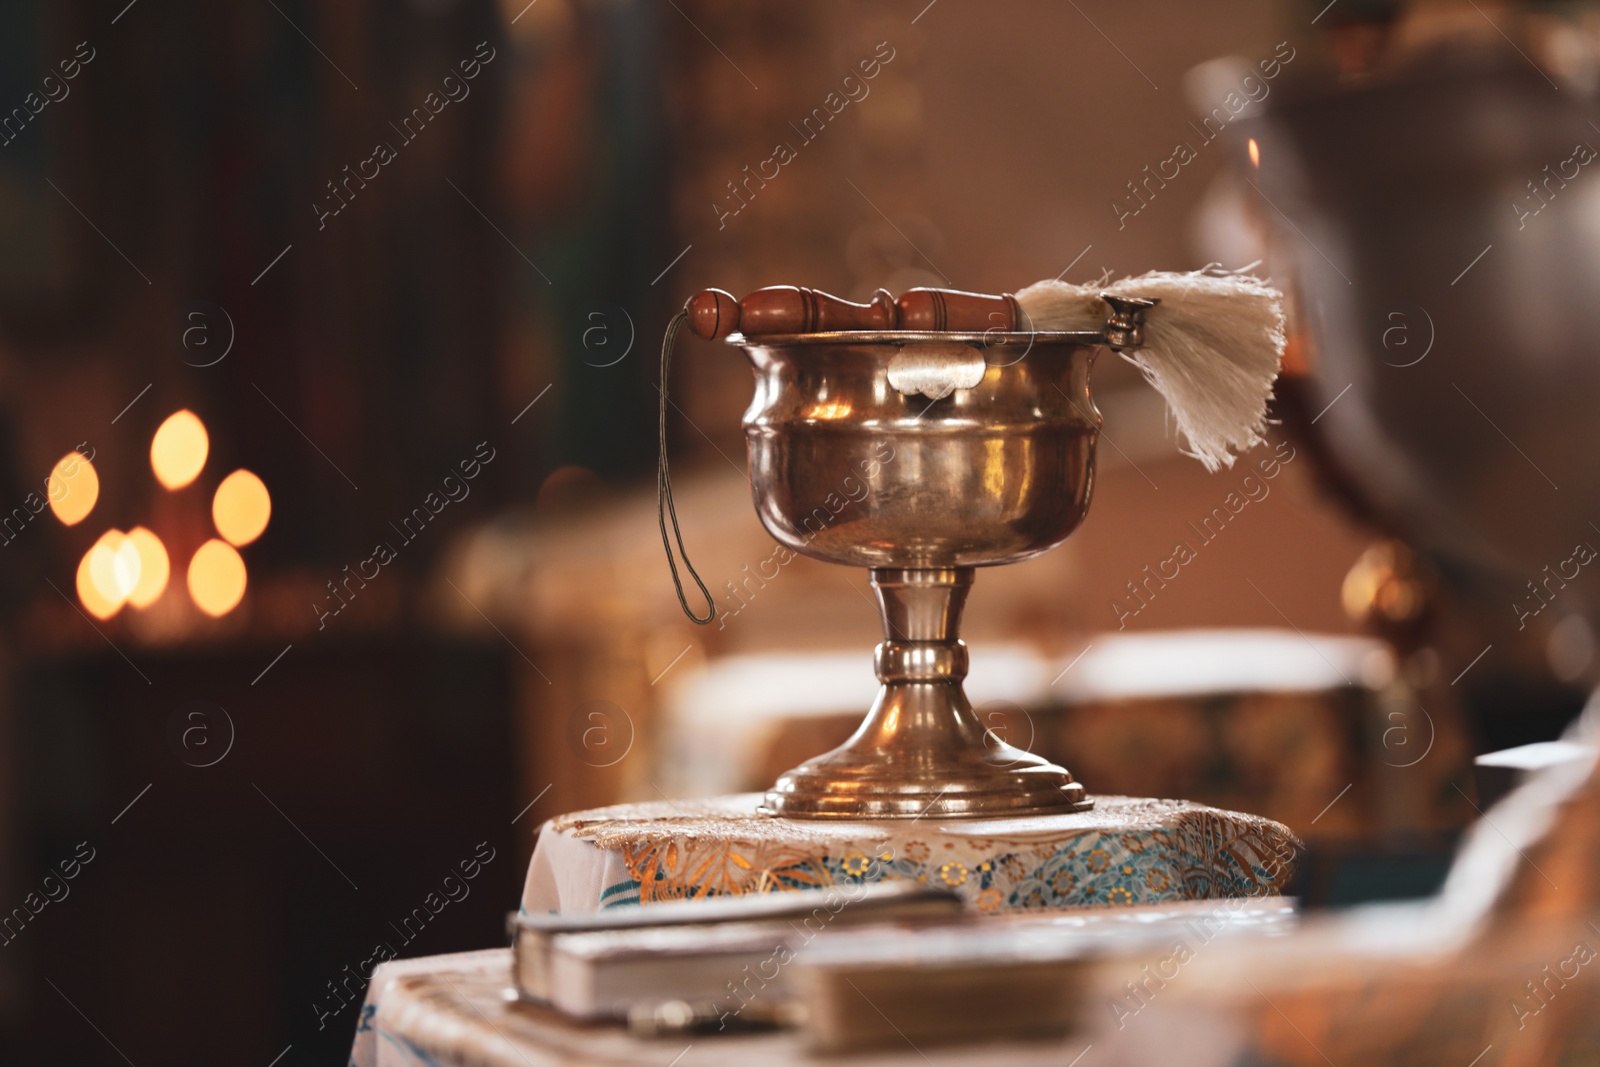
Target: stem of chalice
(922, 749)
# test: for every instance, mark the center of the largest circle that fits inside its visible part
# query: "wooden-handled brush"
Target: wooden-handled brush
(1211, 347)
(785, 309)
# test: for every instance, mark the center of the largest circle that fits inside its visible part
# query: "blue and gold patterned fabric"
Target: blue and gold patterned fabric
(1125, 851)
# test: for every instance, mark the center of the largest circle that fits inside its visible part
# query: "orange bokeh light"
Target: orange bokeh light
(108, 572)
(216, 578)
(241, 508)
(179, 449)
(95, 604)
(72, 488)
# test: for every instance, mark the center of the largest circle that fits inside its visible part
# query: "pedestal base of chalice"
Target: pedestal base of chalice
(922, 456)
(922, 749)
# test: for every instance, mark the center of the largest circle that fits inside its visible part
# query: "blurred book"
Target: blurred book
(1015, 976)
(715, 955)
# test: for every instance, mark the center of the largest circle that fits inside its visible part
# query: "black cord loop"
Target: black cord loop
(664, 506)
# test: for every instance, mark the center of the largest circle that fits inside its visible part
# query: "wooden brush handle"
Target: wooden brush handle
(954, 310)
(714, 314)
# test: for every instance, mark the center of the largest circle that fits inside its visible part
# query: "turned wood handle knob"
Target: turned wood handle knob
(714, 314)
(954, 310)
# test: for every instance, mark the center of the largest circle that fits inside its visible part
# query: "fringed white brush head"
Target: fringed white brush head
(1212, 348)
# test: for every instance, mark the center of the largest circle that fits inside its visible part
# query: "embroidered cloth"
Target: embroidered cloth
(1127, 850)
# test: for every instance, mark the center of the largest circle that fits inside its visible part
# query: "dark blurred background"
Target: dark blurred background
(408, 263)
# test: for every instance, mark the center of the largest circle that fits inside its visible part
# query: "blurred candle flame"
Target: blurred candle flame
(217, 578)
(72, 488)
(179, 449)
(109, 571)
(241, 507)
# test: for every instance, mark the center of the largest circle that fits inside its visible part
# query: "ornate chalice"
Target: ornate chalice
(922, 455)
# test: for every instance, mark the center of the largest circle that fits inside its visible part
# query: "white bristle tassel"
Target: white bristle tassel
(1212, 347)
